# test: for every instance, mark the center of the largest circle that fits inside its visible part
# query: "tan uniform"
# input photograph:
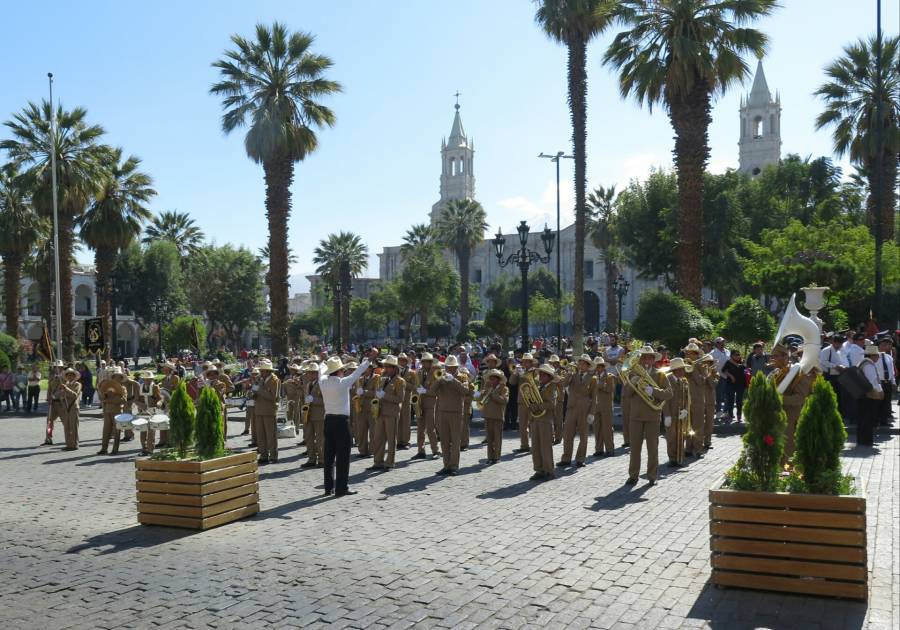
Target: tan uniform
(451, 395)
(293, 393)
(697, 382)
(385, 429)
(404, 430)
(70, 396)
(580, 388)
(265, 411)
(793, 399)
(54, 402)
(364, 420)
(170, 384)
(315, 424)
(677, 438)
(559, 412)
(148, 397)
(465, 429)
(132, 387)
(493, 410)
(426, 424)
(541, 429)
(522, 409)
(709, 410)
(645, 425)
(602, 410)
(625, 405)
(113, 397)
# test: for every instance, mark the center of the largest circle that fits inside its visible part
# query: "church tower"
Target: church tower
(457, 175)
(760, 143)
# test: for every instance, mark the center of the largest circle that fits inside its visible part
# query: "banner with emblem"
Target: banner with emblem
(93, 335)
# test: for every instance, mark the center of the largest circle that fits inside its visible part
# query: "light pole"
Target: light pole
(524, 257)
(556, 158)
(621, 286)
(59, 339)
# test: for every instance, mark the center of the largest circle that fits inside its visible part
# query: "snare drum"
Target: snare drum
(285, 430)
(159, 422)
(140, 424)
(234, 401)
(124, 421)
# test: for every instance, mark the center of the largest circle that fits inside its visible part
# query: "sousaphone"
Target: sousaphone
(795, 323)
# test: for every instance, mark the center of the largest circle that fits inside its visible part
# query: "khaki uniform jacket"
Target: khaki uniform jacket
(53, 383)
(394, 395)
(170, 383)
(797, 392)
(697, 380)
(493, 406)
(267, 396)
(681, 396)
(113, 395)
(450, 394)
(603, 393)
(548, 403)
(294, 389)
(641, 411)
(133, 387)
(221, 387)
(409, 377)
(71, 394)
(317, 406)
(581, 388)
(712, 379)
(515, 379)
(427, 380)
(369, 385)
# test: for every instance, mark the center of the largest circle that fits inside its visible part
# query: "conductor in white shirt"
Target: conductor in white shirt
(884, 365)
(336, 388)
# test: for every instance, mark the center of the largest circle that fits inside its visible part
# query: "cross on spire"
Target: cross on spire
(457, 99)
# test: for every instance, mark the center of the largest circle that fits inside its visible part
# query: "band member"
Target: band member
(676, 412)
(148, 397)
(578, 414)
(451, 392)
(404, 431)
(365, 392)
(465, 432)
(562, 382)
(541, 428)
(250, 405)
(493, 400)
(294, 391)
(166, 387)
(132, 387)
(794, 396)
(113, 397)
(314, 428)
(69, 393)
(222, 386)
(697, 381)
(645, 396)
(870, 404)
(390, 391)
(527, 365)
(602, 409)
(266, 394)
(884, 365)
(425, 424)
(54, 402)
(711, 393)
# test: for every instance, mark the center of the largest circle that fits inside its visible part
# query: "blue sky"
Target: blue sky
(143, 71)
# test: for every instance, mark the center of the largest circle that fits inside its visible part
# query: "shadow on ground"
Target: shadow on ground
(137, 537)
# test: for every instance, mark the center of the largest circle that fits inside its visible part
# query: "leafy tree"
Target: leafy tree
(461, 227)
(210, 431)
(502, 322)
(177, 334)
(275, 84)
(680, 53)
(418, 237)
(5, 363)
(364, 319)
(181, 420)
(506, 291)
(603, 230)
(427, 285)
(314, 322)
(9, 345)
(178, 228)
(574, 23)
(542, 310)
(80, 175)
(669, 318)
(341, 257)
(820, 437)
(746, 321)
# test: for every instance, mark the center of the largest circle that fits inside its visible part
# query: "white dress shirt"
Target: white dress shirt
(336, 389)
(868, 370)
(721, 357)
(885, 367)
(830, 358)
(853, 354)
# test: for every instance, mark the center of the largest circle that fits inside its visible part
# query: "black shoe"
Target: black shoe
(547, 476)
(443, 471)
(579, 464)
(699, 456)
(374, 467)
(672, 464)
(536, 476)
(652, 482)
(436, 455)
(346, 493)
(48, 441)
(303, 443)
(102, 452)
(328, 493)
(419, 455)
(143, 452)
(262, 461)
(452, 473)
(708, 446)
(164, 445)
(626, 445)
(630, 481)
(71, 448)
(252, 445)
(484, 441)
(308, 465)
(689, 453)
(402, 447)
(245, 433)
(563, 464)
(464, 448)
(557, 442)
(597, 454)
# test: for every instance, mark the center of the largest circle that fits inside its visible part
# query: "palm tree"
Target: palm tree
(854, 98)
(575, 23)
(602, 228)
(417, 237)
(461, 227)
(263, 255)
(20, 230)
(113, 221)
(80, 174)
(178, 228)
(340, 258)
(274, 83)
(681, 53)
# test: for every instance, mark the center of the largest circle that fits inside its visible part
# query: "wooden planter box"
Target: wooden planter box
(795, 543)
(197, 495)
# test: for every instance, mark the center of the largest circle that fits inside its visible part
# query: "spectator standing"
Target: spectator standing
(34, 389)
(735, 377)
(758, 359)
(869, 405)
(87, 385)
(7, 383)
(721, 355)
(832, 362)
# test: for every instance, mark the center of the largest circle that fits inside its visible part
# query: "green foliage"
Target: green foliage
(9, 345)
(210, 433)
(668, 318)
(177, 334)
(820, 437)
(716, 316)
(181, 420)
(746, 321)
(427, 284)
(835, 319)
(764, 438)
(4, 361)
(149, 282)
(315, 321)
(506, 291)
(477, 328)
(503, 322)
(364, 320)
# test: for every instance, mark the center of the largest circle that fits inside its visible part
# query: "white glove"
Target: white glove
(308, 400)
(256, 388)
(648, 390)
(520, 371)
(683, 414)
(421, 390)
(590, 418)
(667, 421)
(448, 377)
(359, 391)
(379, 394)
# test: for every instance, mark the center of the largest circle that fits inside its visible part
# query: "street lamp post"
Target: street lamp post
(556, 158)
(524, 257)
(621, 286)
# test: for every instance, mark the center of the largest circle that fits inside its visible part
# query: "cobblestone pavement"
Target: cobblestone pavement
(485, 549)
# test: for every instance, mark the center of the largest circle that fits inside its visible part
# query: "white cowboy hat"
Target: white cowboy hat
(463, 370)
(168, 365)
(691, 347)
(677, 364)
(211, 368)
(528, 357)
(451, 361)
(147, 374)
(599, 360)
(645, 350)
(491, 357)
(254, 372)
(586, 358)
(265, 364)
(546, 369)
(871, 350)
(426, 356)
(333, 364)
(402, 355)
(59, 363)
(496, 373)
(310, 366)
(72, 371)
(390, 360)
(295, 367)
(553, 359)
(115, 371)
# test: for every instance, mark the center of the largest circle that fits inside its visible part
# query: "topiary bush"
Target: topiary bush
(181, 419)
(746, 321)
(819, 440)
(670, 319)
(4, 361)
(764, 438)
(210, 433)
(9, 345)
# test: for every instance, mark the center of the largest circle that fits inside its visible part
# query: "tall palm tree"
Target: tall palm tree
(178, 228)
(461, 227)
(854, 97)
(417, 237)
(113, 221)
(273, 84)
(80, 174)
(602, 228)
(574, 23)
(680, 53)
(340, 258)
(20, 230)
(263, 255)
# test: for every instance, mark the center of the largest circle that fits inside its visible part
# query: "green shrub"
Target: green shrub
(746, 321)
(210, 434)
(181, 419)
(835, 319)
(177, 335)
(4, 361)
(670, 319)
(715, 315)
(820, 439)
(764, 438)
(478, 328)
(9, 346)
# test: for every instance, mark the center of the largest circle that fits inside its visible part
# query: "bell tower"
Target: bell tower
(760, 143)
(457, 160)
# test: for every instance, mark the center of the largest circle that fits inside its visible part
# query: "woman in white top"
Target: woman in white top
(869, 404)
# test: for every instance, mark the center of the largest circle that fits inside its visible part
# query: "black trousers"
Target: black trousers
(884, 409)
(31, 401)
(866, 419)
(832, 379)
(337, 447)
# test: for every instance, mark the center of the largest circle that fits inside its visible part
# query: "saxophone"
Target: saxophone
(415, 400)
(376, 402)
(531, 395)
(304, 410)
(637, 378)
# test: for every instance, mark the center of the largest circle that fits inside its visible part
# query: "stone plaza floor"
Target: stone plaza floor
(487, 548)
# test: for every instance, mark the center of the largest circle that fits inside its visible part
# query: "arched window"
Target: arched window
(462, 166)
(758, 127)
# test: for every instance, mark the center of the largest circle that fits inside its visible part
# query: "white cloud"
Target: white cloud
(536, 211)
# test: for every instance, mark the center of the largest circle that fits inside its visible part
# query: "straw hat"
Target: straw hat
(294, 367)
(426, 356)
(497, 373)
(528, 357)
(59, 363)
(115, 371)
(264, 364)
(692, 347)
(71, 371)
(586, 358)
(402, 355)
(645, 350)
(871, 350)
(310, 366)
(677, 364)
(147, 374)
(168, 365)
(451, 361)
(547, 369)
(491, 357)
(333, 364)
(553, 359)
(211, 369)
(390, 360)
(254, 372)
(599, 360)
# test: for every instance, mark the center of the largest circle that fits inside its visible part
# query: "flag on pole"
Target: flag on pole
(195, 336)
(45, 348)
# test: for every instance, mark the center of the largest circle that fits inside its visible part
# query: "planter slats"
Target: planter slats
(809, 544)
(197, 495)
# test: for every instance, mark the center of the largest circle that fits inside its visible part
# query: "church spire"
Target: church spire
(457, 166)
(759, 93)
(457, 133)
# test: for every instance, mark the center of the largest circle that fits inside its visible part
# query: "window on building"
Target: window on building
(589, 269)
(758, 127)
(476, 276)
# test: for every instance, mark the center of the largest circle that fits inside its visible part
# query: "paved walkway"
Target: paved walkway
(485, 549)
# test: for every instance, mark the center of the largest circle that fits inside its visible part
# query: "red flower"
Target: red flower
(769, 440)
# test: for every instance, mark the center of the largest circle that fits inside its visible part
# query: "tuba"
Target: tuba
(795, 323)
(531, 395)
(637, 378)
